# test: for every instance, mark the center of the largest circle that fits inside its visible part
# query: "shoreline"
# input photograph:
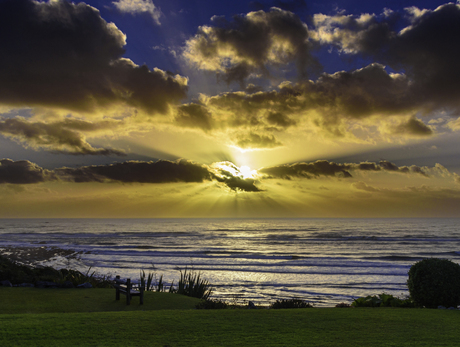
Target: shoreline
(40, 255)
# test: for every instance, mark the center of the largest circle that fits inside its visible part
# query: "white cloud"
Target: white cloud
(139, 6)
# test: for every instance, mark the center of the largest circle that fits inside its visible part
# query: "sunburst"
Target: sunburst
(229, 169)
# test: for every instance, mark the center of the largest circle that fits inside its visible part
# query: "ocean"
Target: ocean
(323, 261)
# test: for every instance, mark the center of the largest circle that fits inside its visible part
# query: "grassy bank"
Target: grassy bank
(92, 317)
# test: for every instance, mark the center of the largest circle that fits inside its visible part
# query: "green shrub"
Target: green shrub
(382, 300)
(290, 303)
(433, 282)
(210, 304)
(14, 272)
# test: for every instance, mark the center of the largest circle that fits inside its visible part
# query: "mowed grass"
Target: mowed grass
(35, 300)
(98, 321)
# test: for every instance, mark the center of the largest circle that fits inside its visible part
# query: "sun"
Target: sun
(229, 169)
(246, 172)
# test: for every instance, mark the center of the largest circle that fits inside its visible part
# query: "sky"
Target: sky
(257, 109)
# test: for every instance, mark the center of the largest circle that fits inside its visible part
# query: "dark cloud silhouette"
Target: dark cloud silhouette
(23, 172)
(250, 44)
(240, 184)
(413, 127)
(62, 136)
(307, 170)
(226, 174)
(162, 171)
(61, 54)
(229, 174)
(331, 169)
(386, 165)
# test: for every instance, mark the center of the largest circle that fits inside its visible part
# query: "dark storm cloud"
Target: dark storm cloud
(361, 93)
(62, 136)
(194, 116)
(251, 44)
(240, 184)
(413, 127)
(424, 54)
(162, 171)
(23, 172)
(427, 49)
(230, 175)
(61, 54)
(329, 102)
(307, 170)
(331, 169)
(280, 119)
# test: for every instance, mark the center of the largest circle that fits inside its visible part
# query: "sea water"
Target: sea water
(323, 261)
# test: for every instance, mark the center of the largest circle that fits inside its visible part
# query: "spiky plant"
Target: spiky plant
(191, 284)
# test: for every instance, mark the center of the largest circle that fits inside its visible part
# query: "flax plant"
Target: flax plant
(191, 284)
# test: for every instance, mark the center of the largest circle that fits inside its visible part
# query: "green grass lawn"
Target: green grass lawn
(34, 300)
(48, 317)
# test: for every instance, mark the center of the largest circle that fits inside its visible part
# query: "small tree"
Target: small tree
(433, 282)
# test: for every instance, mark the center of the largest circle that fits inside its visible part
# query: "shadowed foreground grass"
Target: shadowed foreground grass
(239, 327)
(34, 300)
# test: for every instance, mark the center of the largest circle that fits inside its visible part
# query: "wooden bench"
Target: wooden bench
(128, 289)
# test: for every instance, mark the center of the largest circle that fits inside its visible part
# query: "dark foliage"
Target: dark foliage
(17, 274)
(290, 303)
(382, 300)
(192, 284)
(434, 282)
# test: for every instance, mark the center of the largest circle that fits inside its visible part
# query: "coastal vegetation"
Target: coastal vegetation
(290, 303)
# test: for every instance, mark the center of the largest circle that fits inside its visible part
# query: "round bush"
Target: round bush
(434, 282)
